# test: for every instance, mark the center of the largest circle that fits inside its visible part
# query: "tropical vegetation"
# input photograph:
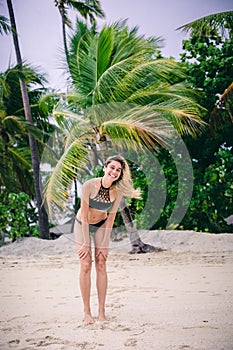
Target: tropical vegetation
(87, 9)
(208, 54)
(123, 96)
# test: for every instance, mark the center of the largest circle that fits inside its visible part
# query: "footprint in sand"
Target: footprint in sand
(41, 330)
(130, 342)
(18, 318)
(13, 342)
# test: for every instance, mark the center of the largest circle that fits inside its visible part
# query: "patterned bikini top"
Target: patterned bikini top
(102, 200)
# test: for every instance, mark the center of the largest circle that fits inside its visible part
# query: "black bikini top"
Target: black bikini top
(102, 200)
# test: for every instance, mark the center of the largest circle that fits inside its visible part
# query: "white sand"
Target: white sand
(181, 298)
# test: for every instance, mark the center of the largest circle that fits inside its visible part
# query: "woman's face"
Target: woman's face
(113, 170)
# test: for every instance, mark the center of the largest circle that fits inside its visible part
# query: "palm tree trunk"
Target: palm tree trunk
(65, 41)
(137, 245)
(61, 8)
(43, 218)
(2, 235)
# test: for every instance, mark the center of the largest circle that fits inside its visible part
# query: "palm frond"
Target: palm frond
(125, 78)
(184, 115)
(105, 89)
(76, 125)
(128, 44)
(74, 158)
(159, 92)
(14, 124)
(53, 150)
(78, 130)
(104, 50)
(63, 109)
(87, 9)
(4, 25)
(115, 50)
(86, 63)
(4, 86)
(48, 100)
(71, 123)
(21, 157)
(35, 131)
(30, 75)
(139, 128)
(102, 112)
(220, 22)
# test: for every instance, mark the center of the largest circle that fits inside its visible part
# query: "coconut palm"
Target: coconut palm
(123, 96)
(15, 152)
(87, 9)
(14, 161)
(12, 131)
(42, 214)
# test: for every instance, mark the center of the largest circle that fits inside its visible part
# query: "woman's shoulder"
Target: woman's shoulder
(90, 186)
(92, 182)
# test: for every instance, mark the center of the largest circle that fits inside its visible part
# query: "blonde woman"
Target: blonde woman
(100, 201)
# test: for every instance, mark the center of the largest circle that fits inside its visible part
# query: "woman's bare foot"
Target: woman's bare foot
(102, 317)
(88, 319)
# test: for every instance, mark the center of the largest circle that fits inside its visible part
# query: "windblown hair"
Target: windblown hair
(124, 183)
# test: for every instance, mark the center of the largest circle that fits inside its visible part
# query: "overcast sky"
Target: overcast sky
(39, 27)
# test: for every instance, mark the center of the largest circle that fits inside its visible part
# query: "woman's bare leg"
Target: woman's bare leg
(101, 283)
(101, 254)
(85, 275)
(85, 287)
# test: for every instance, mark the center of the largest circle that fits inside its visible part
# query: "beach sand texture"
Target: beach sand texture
(180, 298)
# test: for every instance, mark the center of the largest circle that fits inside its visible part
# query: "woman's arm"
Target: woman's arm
(111, 216)
(102, 236)
(84, 208)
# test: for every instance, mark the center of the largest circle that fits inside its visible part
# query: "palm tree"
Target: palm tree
(15, 160)
(43, 218)
(122, 95)
(88, 9)
(14, 164)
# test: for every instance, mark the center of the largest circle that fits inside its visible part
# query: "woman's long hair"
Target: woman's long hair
(124, 183)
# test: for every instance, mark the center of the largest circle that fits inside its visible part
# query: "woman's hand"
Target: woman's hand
(102, 251)
(84, 251)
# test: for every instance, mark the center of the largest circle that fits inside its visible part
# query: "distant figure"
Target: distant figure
(100, 201)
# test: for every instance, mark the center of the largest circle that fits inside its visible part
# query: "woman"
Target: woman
(100, 201)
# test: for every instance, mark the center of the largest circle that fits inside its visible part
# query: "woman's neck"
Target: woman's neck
(106, 183)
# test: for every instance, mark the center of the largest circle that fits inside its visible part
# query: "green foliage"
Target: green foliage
(207, 26)
(17, 217)
(212, 200)
(89, 9)
(208, 55)
(160, 185)
(122, 93)
(4, 25)
(210, 64)
(15, 157)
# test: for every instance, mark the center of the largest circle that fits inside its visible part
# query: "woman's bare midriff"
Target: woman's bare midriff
(94, 215)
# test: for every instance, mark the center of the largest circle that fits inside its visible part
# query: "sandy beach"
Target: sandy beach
(180, 298)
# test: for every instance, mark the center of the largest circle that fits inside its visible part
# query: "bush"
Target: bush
(17, 217)
(212, 199)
